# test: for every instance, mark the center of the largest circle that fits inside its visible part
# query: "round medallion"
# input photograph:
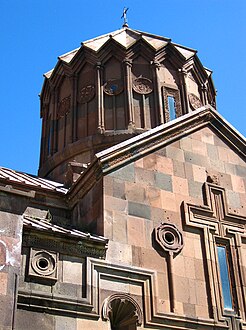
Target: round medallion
(43, 263)
(86, 94)
(169, 237)
(142, 85)
(113, 87)
(195, 102)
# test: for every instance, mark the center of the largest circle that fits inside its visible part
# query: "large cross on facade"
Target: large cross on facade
(222, 235)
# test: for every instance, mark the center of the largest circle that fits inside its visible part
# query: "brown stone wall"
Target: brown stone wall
(141, 195)
(10, 253)
(87, 214)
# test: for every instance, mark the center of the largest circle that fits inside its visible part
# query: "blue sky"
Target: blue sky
(35, 33)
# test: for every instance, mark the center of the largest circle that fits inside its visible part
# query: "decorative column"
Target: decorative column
(204, 94)
(44, 112)
(73, 124)
(184, 95)
(128, 88)
(157, 92)
(55, 120)
(100, 107)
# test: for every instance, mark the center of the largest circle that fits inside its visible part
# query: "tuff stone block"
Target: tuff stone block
(163, 181)
(139, 210)
(164, 165)
(153, 196)
(119, 227)
(26, 320)
(237, 184)
(65, 323)
(175, 153)
(143, 176)
(179, 169)
(134, 192)
(180, 186)
(3, 283)
(126, 173)
(196, 159)
(136, 231)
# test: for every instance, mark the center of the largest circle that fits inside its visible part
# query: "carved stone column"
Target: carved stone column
(157, 93)
(73, 125)
(44, 152)
(54, 95)
(128, 88)
(100, 107)
(204, 94)
(184, 95)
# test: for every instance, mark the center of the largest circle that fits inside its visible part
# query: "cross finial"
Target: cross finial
(124, 16)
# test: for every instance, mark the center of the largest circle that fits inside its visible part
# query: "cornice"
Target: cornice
(137, 147)
(165, 134)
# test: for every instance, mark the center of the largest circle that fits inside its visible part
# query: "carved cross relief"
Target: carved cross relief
(220, 227)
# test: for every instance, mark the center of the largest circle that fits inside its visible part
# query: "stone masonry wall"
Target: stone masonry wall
(141, 195)
(10, 256)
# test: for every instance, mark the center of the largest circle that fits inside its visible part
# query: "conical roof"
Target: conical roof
(126, 37)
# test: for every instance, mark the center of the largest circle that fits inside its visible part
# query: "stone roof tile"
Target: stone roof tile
(11, 176)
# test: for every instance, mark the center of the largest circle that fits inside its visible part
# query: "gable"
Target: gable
(177, 172)
(177, 186)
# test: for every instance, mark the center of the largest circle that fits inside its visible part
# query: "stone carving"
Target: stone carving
(169, 237)
(121, 308)
(195, 102)
(212, 178)
(43, 264)
(64, 106)
(142, 85)
(113, 87)
(86, 93)
(79, 249)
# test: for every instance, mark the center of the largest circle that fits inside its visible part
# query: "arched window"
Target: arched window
(122, 311)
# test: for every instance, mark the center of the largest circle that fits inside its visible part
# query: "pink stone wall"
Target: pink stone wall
(141, 195)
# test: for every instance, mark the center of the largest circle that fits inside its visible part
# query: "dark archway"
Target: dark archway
(122, 311)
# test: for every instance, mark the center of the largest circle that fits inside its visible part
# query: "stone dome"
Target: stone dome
(111, 88)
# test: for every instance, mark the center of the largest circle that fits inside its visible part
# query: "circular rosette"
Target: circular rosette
(86, 94)
(43, 263)
(169, 237)
(195, 102)
(113, 87)
(142, 85)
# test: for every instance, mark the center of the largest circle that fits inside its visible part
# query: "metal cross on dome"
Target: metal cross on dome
(125, 17)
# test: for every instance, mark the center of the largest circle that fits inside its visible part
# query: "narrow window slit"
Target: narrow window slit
(225, 277)
(171, 107)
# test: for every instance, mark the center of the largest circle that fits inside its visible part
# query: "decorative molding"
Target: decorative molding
(169, 237)
(121, 308)
(218, 224)
(76, 248)
(195, 101)
(89, 306)
(43, 264)
(168, 91)
(64, 106)
(86, 93)
(142, 85)
(113, 87)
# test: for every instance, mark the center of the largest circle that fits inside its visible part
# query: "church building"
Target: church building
(137, 217)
